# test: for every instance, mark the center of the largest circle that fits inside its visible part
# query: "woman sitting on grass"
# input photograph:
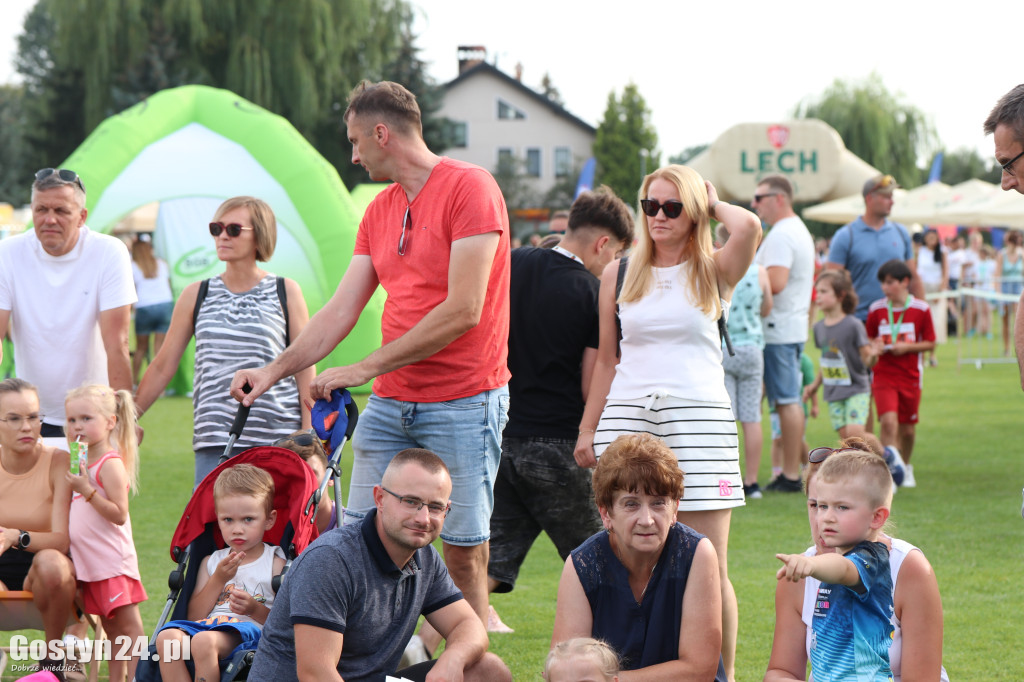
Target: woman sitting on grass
(916, 650)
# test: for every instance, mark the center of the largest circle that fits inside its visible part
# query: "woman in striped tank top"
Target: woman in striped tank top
(240, 324)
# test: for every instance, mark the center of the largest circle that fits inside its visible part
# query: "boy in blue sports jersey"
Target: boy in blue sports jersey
(852, 625)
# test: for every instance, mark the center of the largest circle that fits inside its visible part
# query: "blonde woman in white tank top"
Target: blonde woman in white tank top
(669, 381)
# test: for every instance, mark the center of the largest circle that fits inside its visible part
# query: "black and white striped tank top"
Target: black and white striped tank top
(233, 332)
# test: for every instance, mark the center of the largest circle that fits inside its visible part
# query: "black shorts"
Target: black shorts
(14, 565)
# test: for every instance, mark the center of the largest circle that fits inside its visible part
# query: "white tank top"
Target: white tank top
(899, 552)
(669, 346)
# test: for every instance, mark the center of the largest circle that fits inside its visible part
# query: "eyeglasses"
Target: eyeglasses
(16, 420)
(1008, 166)
(758, 198)
(414, 504)
(68, 176)
(886, 182)
(819, 455)
(233, 229)
(671, 208)
(406, 221)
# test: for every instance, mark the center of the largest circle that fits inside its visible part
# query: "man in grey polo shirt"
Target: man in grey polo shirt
(350, 602)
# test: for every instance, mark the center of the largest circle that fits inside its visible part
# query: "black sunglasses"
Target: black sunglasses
(819, 455)
(406, 221)
(66, 175)
(758, 198)
(1008, 166)
(304, 439)
(233, 229)
(671, 208)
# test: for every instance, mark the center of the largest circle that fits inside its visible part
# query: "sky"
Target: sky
(705, 66)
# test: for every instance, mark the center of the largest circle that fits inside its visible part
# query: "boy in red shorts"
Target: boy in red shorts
(900, 327)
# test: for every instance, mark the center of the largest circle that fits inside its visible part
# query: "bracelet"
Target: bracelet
(582, 431)
(711, 211)
(88, 499)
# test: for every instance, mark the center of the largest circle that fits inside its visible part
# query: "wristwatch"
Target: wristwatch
(23, 539)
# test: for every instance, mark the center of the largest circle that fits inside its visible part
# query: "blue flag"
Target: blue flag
(586, 181)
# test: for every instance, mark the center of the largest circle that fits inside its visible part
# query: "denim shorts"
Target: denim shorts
(153, 319)
(782, 373)
(465, 433)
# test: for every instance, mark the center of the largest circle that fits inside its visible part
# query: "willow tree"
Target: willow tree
(876, 125)
(625, 145)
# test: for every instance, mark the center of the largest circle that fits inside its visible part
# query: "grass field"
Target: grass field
(965, 515)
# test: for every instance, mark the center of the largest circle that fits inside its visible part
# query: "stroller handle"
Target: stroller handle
(241, 416)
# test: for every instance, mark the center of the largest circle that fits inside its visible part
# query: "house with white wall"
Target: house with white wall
(496, 115)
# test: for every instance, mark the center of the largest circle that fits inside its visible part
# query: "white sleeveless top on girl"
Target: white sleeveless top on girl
(100, 549)
(255, 578)
(900, 550)
(669, 346)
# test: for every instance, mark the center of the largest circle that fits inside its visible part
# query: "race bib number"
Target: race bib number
(834, 371)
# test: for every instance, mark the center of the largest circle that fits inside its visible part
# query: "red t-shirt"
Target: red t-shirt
(459, 200)
(914, 325)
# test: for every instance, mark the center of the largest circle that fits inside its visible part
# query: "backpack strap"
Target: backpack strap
(282, 296)
(620, 277)
(204, 288)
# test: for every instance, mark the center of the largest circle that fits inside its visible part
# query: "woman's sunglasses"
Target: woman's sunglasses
(233, 229)
(819, 455)
(672, 208)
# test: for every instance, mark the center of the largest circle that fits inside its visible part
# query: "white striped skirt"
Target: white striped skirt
(701, 434)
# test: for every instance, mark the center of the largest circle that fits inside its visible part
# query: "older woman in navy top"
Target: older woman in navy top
(647, 585)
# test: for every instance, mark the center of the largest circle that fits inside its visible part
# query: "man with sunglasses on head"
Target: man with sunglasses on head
(1006, 125)
(351, 600)
(787, 253)
(68, 292)
(861, 247)
(437, 241)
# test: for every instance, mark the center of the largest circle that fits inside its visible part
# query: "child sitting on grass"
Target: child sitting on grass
(851, 625)
(233, 592)
(582, 658)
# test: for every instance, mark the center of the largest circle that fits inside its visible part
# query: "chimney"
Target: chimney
(519, 71)
(470, 56)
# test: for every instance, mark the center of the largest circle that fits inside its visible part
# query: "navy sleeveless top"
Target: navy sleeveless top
(642, 634)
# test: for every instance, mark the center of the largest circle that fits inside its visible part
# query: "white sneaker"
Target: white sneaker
(415, 652)
(908, 476)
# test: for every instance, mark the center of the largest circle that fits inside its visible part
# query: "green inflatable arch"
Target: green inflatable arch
(190, 148)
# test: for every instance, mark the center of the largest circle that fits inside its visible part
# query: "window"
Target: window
(458, 133)
(506, 162)
(563, 162)
(507, 112)
(533, 162)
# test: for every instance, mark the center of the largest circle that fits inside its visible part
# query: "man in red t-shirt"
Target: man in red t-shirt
(900, 327)
(437, 241)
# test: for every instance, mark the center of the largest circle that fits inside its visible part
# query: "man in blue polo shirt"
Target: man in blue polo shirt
(872, 239)
(350, 602)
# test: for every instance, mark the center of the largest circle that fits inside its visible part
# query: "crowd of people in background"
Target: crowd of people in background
(621, 444)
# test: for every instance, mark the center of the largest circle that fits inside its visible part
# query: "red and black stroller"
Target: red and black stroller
(297, 494)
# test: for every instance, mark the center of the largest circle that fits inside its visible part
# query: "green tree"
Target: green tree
(876, 125)
(14, 188)
(626, 144)
(964, 164)
(690, 152)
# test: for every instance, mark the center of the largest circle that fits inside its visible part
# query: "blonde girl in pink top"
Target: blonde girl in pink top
(102, 548)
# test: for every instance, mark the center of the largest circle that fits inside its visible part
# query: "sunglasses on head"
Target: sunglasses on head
(233, 229)
(64, 174)
(304, 439)
(819, 455)
(671, 208)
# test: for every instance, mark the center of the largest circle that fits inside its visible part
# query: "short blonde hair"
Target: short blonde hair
(245, 480)
(264, 224)
(850, 464)
(594, 650)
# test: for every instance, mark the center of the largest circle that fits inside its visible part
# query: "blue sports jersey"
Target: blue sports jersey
(852, 626)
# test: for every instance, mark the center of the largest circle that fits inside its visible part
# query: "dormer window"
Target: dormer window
(507, 112)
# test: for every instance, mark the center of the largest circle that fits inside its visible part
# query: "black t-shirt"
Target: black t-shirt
(553, 317)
